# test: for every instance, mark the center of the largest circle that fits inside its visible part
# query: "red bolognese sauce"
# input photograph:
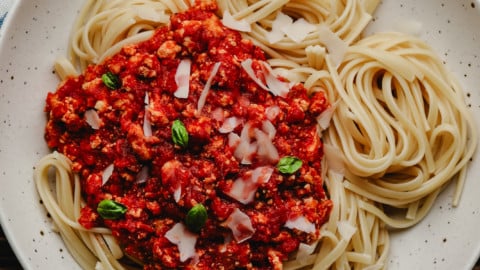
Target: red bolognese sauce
(194, 116)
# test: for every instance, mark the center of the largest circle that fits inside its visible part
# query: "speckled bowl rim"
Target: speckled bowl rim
(36, 32)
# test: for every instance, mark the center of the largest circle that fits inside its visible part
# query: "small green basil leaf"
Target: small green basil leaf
(111, 80)
(289, 164)
(196, 218)
(109, 209)
(179, 133)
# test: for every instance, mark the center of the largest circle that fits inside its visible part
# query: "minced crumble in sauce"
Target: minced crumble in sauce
(121, 144)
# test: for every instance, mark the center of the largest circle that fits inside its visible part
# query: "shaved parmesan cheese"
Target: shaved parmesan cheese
(146, 99)
(177, 193)
(269, 128)
(324, 118)
(230, 124)
(334, 159)
(228, 239)
(92, 118)
(273, 84)
(346, 230)
(245, 149)
(182, 78)
(232, 23)
(142, 175)
(241, 225)
(217, 114)
(336, 47)
(261, 175)
(276, 34)
(266, 149)
(284, 25)
(248, 154)
(298, 30)
(233, 139)
(206, 88)
(184, 239)
(272, 112)
(243, 189)
(301, 223)
(247, 66)
(147, 125)
(107, 172)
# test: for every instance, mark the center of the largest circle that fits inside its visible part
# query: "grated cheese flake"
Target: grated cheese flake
(92, 119)
(241, 225)
(182, 78)
(300, 223)
(107, 172)
(208, 84)
(184, 239)
(240, 25)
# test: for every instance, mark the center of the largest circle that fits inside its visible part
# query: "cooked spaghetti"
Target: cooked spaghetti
(399, 129)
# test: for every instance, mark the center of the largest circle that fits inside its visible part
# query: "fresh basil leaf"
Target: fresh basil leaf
(289, 164)
(179, 133)
(111, 80)
(196, 218)
(109, 209)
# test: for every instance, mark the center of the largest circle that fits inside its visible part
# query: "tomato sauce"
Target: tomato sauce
(159, 181)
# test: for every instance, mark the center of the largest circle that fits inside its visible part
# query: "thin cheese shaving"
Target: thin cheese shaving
(107, 172)
(266, 150)
(230, 124)
(261, 175)
(276, 34)
(243, 189)
(182, 78)
(273, 84)
(269, 128)
(247, 66)
(184, 239)
(147, 125)
(241, 225)
(217, 114)
(92, 119)
(272, 112)
(142, 175)
(245, 148)
(232, 23)
(233, 139)
(298, 30)
(336, 47)
(334, 159)
(206, 88)
(177, 193)
(300, 223)
(324, 118)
